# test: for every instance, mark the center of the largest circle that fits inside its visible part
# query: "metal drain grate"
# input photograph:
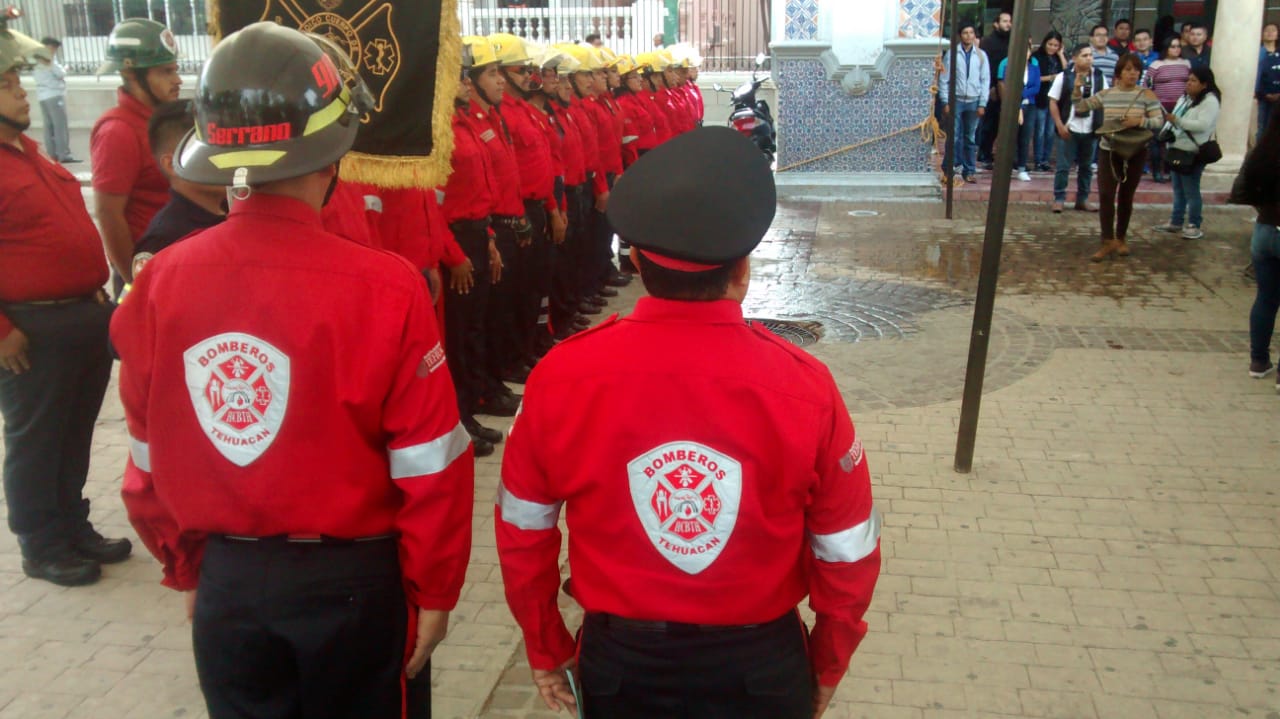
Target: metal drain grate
(800, 333)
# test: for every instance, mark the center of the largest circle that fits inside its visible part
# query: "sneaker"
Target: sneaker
(1093, 166)
(1258, 370)
(1167, 227)
(1023, 176)
(1192, 233)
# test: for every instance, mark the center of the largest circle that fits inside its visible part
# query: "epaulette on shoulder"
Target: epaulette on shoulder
(768, 335)
(609, 321)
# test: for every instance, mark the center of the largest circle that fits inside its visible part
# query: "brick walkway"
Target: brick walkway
(1114, 553)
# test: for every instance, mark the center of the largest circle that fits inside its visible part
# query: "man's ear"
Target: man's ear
(166, 164)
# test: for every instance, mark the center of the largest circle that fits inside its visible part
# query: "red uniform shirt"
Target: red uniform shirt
(608, 132)
(661, 122)
(122, 162)
(712, 476)
(491, 129)
(469, 192)
(49, 246)
(575, 168)
(533, 155)
(582, 111)
(305, 392)
(348, 214)
(677, 111)
(698, 104)
(411, 225)
(639, 132)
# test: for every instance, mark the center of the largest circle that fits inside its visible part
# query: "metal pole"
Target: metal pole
(950, 156)
(984, 305)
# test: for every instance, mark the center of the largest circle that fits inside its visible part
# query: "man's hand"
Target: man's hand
(602, 201)
(554, 687)
(190, 597)
(1064, 132)
(495, 263)
(13, 352)
(821, 700)
(462, 278)
(1272, 96)
(1131, 121)
(559, 223)
(982, 112)
(433, 624)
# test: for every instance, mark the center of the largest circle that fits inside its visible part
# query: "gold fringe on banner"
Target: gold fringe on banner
(408, 171)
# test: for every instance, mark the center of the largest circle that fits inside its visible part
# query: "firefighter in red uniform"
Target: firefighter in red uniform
(603, 274)
(639, 131)
(650, 64)
(296, 460)
(469, 201)
(54, 357)
(128, 186)
(509, 226)
(530, 268)
(712, 475)
(567, 305)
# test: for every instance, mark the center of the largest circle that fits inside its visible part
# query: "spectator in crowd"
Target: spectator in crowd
(996, 46)
(593, 39)
(973, 69)
(1267, 89)
(1026, 107)
(1143, 48)
(1164, 29)
(1196, 47)
(1167, 78)
(1194, 120)
(1075, 128)
(1104, 58)
(1118, 176)
(1259, 185)
(1123, 32)
(1185, 35)
(51, 91)
(1051, 60)
(659, 41)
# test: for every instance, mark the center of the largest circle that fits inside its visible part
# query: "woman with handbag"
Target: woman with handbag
(1193, 123)
(1259, 185)
(1130, 115)
(1167, 78)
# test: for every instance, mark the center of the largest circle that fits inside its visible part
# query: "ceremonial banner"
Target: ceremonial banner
(409, 54)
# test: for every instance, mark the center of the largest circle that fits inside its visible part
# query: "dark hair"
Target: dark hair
(1124, 21)
(1167, 43)
(1141, 30)
(1126, 60)
(1260, 166)
(591, 37)
(1095, 28)
(1081, 46)
(53, 41)
(1004, 12)
(1051, 35)
(168, 123)
(1266, 25)
(1195, 25)
(668, 284)
(966, 25)
(1205, 76)
(1188, 25)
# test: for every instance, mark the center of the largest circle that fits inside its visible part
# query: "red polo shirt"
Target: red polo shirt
(49, 247)
(122, 162)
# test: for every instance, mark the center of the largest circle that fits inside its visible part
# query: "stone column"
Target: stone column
(1236, 35)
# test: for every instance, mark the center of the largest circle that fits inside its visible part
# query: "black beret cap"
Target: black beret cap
(705, 196)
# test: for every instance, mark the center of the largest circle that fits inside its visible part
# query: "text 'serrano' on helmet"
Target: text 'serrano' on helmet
(272, 103)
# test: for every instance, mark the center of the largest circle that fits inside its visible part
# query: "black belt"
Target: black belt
(323, 539)
(508, 221)
(613, 621)
(480, 225)
(99, 297)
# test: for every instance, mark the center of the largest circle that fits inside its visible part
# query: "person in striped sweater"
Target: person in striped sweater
(1118, 176)
(1167, 78)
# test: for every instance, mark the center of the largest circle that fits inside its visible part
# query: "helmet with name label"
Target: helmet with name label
(272, 103)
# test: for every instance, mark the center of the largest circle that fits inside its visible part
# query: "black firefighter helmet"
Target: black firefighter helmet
(272, 103)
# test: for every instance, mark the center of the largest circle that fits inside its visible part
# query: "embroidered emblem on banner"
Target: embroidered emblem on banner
(686, 496)
(239, 387)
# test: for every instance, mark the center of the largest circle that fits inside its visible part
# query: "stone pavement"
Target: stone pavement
(1114, 553)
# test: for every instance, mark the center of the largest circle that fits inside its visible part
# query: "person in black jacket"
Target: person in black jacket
(1259, 185)
(996, 46)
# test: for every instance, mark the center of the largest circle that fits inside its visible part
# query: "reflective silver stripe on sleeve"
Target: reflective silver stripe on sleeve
(849, 545)
(627, 139)
(140, 452)
(429, 457)
(524, 514)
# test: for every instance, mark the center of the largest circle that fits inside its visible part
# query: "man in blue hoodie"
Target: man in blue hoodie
(1267, 89)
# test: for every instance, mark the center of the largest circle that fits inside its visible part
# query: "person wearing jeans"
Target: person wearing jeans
(1076, 150)
(1077, 142)
(973, 73)
(1187, 203)
(1257, 185)
(1194, 120)
(966, 129)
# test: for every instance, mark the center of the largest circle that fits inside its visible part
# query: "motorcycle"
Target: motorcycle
(750, 116)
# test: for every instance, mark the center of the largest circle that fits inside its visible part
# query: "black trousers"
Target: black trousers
(602, 243)
(757, 673)
(566, 291)
(464, 318)
(535, 283)
(49, 413)
(502, 332)
(296, 631)
(580, 205)
(987, 135)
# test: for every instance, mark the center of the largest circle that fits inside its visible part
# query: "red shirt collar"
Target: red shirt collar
(653, 309)
(132, 105)
(277, 207)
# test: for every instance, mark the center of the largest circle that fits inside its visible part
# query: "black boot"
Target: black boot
(481, 432)
(88, 543)
(57, 562)
(480, 447)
